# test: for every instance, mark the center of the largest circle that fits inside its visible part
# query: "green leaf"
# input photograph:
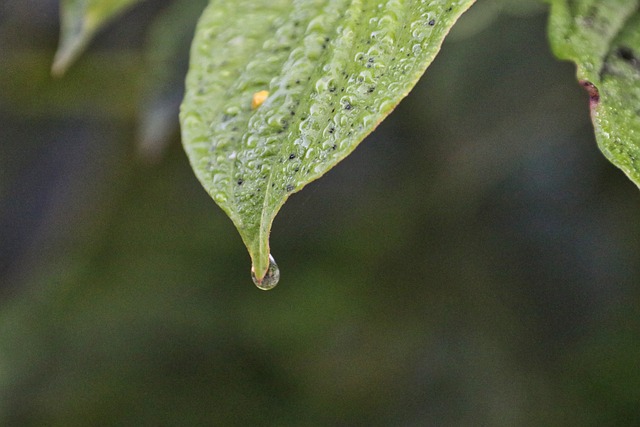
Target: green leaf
(167, 60)
(333, 69)
(79, 21)
(603, 38)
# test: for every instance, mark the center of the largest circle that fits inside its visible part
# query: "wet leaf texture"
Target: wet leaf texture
(332, 69)
(79, 21)
(603, 38)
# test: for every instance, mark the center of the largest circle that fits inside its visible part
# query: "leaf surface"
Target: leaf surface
(79, 21)
(331, 70)
(603, 38)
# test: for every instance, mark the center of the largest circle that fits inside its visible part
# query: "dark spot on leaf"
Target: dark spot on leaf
(240, 182)
(370, 59)
(432, 22)
(292, 156)
(290, 188)
(593, 92)
(627, 54)
(347, 106)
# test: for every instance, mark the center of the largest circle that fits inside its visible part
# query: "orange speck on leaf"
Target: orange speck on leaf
(259, 98)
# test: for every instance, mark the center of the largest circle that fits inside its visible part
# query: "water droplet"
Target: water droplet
(232, 111)
(220, 197)
(270, 280)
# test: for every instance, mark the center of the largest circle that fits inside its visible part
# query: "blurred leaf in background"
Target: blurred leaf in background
(80, 20)
(474, 262)
(167, 55)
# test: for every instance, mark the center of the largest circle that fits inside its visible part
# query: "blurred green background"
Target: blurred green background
(475, 262)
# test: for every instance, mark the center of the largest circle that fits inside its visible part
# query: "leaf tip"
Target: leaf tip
(59, 66)
(270, 278)
(66, 54)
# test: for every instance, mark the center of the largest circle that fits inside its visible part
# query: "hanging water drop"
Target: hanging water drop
(270, 280)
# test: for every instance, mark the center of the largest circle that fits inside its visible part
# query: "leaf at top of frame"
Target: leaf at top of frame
(279, 91)
(603, 38)
(79, 21)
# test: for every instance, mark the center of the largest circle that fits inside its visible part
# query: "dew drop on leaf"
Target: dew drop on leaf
(270, 280)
